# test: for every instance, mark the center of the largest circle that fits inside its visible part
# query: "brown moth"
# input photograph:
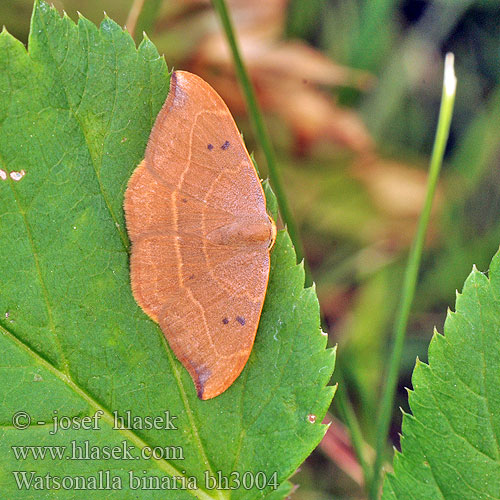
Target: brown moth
(201, 236)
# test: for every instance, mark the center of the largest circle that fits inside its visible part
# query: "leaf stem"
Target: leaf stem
(142, 17)
(411, 273)
(349, 418)
(259, 126)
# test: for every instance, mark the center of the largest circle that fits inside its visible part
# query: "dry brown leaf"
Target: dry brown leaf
(398, 191)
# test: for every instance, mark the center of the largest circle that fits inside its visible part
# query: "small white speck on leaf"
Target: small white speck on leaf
(17, 176)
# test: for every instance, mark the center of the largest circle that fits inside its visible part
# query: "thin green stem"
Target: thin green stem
(259, 126)
(351, 422)
(411, 274)
(142, 18)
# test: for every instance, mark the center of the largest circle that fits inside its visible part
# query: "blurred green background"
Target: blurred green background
(350, 91)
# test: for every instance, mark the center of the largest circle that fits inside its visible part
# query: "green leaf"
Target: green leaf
(76, 111)
(450, 445)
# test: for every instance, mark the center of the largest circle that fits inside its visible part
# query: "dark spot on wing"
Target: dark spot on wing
(240, 320)
(191, 277)
(184, 200)
(210, 147)
(203, 374)
(225, 321)
(225, 145)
